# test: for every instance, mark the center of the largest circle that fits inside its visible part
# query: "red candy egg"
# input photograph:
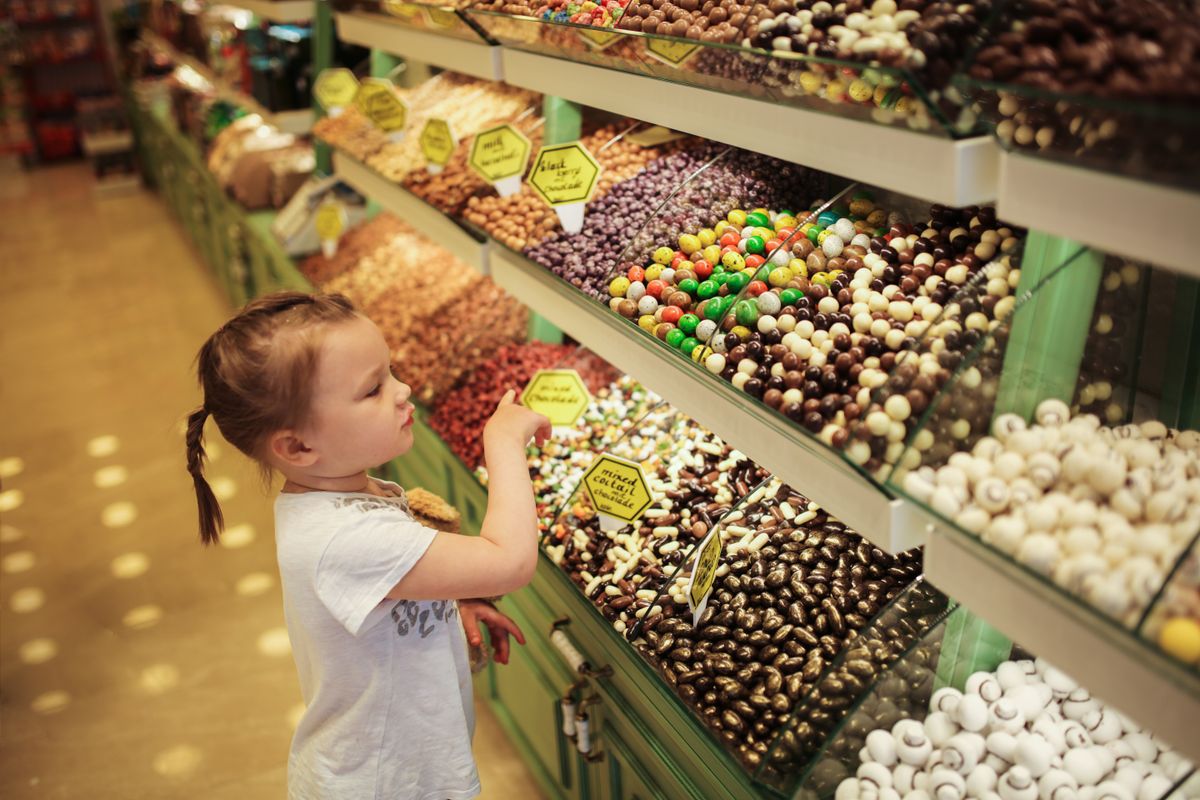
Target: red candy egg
(655, 288)
(635, 274)
(730, 240)
(703, 269)
(756, 288)
(671, 314)
(755, 261)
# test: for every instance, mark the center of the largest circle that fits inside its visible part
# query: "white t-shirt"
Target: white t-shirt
(387, 684)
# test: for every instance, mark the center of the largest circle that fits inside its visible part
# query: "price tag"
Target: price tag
(331, 222)
(437, 143)
(704, 574)
(564, 176)
(618, 488)
(500, 156)
(441, 17)
(335, 89)
(671, 52)
(377, 100)
(558, 394)
(599, 40)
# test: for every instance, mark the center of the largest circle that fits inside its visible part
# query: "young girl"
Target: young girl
(303, 384)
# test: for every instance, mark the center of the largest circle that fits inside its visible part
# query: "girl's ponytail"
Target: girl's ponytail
(212, 521)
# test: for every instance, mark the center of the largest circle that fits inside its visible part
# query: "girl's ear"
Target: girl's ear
(290, 450)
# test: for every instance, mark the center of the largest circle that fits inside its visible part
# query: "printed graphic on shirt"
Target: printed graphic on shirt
(365, 504)
(418, 618)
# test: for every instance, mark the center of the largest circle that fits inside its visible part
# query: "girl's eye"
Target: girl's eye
(375, 391)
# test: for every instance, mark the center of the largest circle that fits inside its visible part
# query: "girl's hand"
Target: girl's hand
(499, 626)
(514, 421)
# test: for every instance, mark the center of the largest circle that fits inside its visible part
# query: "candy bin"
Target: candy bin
(1005, 454)
(793, 587)
(441, 17)
(1004, 725)
(694, 479)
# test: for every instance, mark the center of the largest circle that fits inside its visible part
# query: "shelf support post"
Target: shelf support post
(1181, 385)
(564, 119)
(322, 58)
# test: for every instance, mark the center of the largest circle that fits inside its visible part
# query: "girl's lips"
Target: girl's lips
(408, 421)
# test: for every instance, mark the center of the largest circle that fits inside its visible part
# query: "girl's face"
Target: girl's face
(361, 416)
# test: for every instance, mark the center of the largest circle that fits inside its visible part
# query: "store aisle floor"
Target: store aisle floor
(133, 663)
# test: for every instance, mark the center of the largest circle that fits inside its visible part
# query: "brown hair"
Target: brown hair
(256, 373)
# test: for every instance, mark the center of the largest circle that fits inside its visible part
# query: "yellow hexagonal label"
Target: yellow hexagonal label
(618, 487)
(671, 51)
(500, 152)
(377, 99)
(331, 220)
(335, 88)
(441, 17)
(401, 10)
(564, 173)
(704, 574)
(438, 142)
(558, 394)
(599, 40)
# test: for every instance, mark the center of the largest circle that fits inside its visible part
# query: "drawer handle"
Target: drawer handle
(583, 731)
(571, 654)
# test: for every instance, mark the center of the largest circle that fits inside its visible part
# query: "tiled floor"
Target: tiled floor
(133, 663)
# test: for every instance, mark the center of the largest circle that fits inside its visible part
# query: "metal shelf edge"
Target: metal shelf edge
(1078, 203)
(956, 172)
(478, 59)
(1117, 668)
(425, 218)
(813, 470)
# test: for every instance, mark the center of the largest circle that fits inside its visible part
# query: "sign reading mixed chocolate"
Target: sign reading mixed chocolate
(618, 488)
(377, 100)
(704, 574)
(558, 394)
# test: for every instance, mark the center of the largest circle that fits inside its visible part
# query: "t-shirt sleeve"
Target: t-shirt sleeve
(364, 560)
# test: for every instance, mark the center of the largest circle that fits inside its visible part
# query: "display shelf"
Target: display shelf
(432, 222)
(279, 10)
(965, 170)
(792, 455)
(1117, 666)
(297, 122)
(479, 59)
(1072, 202)
(96, 144)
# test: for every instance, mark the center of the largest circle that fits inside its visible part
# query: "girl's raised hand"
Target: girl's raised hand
(514, 421)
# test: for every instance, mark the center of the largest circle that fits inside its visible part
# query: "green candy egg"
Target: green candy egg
(738, 281)
(826, 218)
(757, 219)
(814, 232)
(689, 285)
(689, 344)
(755, 245)
(707, 289)
(675, 336)
(790, 295)
(713, 309)
(688, 323)
(746, 312)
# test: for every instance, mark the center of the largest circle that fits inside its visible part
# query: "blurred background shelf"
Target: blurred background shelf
(279, 10)
(477, 58)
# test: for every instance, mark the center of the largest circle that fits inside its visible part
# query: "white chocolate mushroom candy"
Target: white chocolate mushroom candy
(920, 487)
(888, 793)
(1113, 790)
(902, 778)
(1083, 765)
(985, 685)
(1041, 515)
(1052, 412)
(939, 727)
(1002, 745)
(1057, 784)
(1076, 463)
(1040, 552)
(1022, 491)
(1144, 747)
(981, 781)
(1122, 750)
(1005, 715)
(1075, 735)
(1017, 784)
(946, 699)
(1009, 465)
(1025, 442)
(946, 784)
(1006, 424)
(973, 519)
(1132, 774)
(1087, 792)
(1010, 675)
(881, 746)
(992, 495)
(1034, 753)
(1079, 703)
(997, 763)
(913, 747)
(972, 713)
(1051, 731)
(1102, 726)
(1005, 533)
(1043, 470)
(1153, 429)
(963, 752)
(1154, 787)
(847, 790)
(1106, 475)
(1105, 758)
(1060, 683)
(917, 794)
(872, 774)
(1032, 698)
